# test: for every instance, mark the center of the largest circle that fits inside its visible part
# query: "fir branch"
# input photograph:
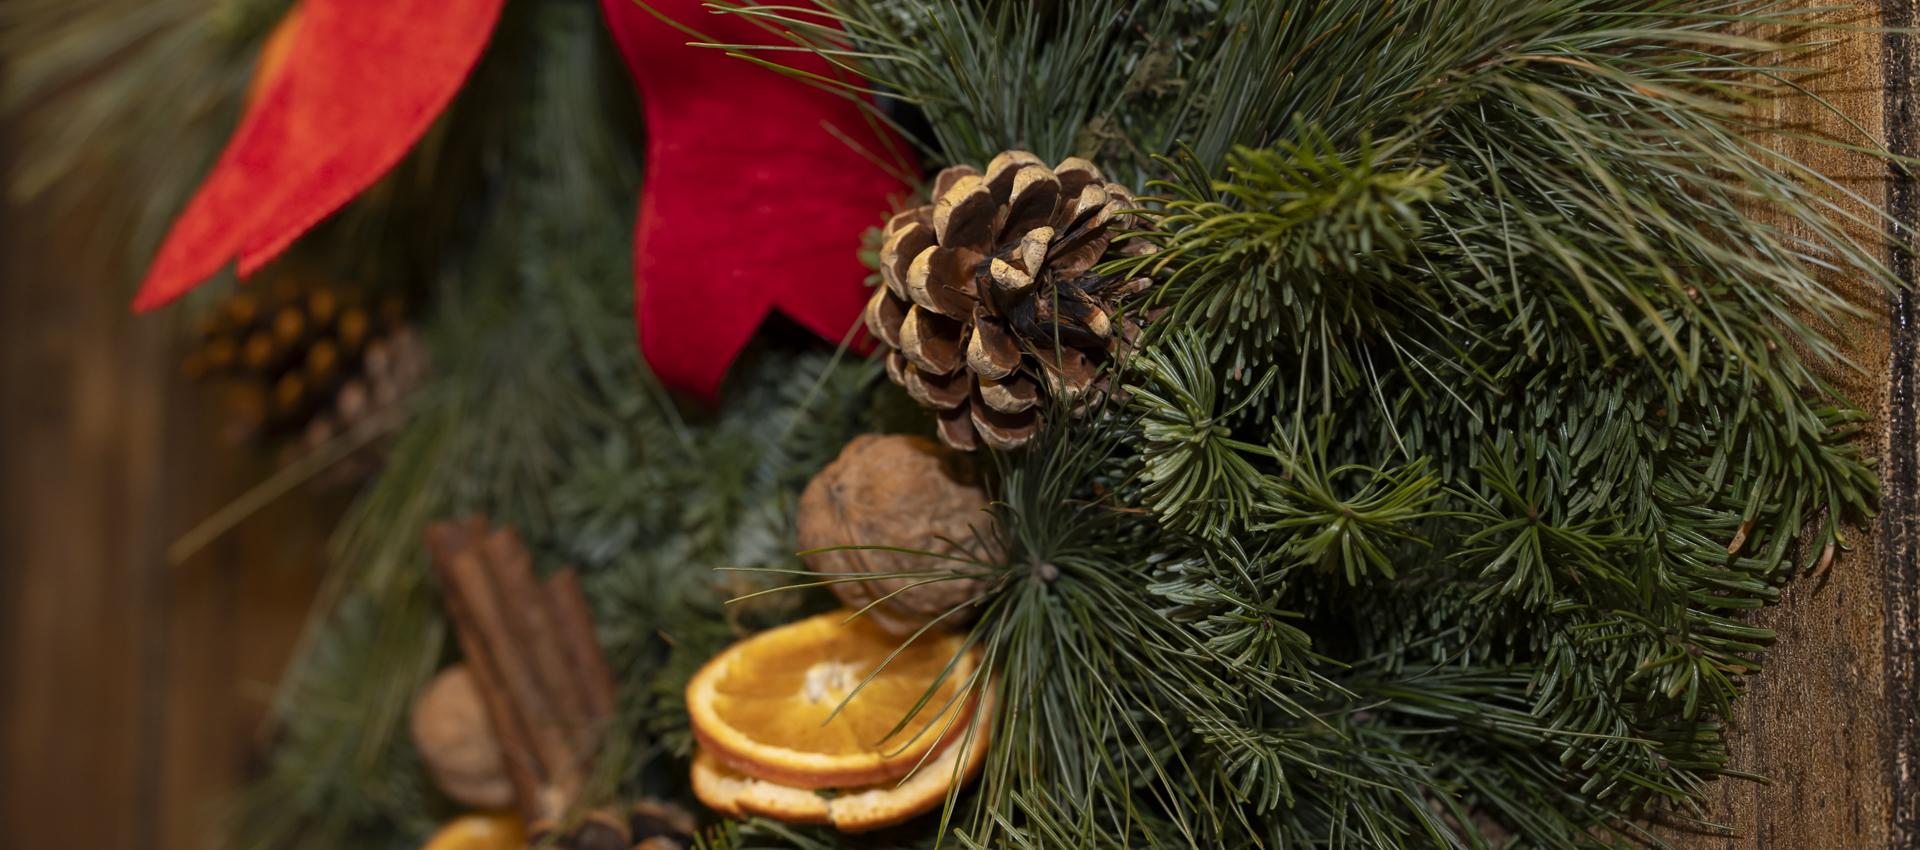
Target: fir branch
(1300, 249)
(523, 348)
(1350, 519)
(1194, 475)
(120, 108)
(1485, 403)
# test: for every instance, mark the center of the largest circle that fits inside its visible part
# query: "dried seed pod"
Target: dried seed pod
(456, 740)
(309, 347)
(906, 492)
(990, 305)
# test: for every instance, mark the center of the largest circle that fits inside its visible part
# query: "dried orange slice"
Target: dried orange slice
(479, 832)
(736, 794)
(762, 707)
(852, 809)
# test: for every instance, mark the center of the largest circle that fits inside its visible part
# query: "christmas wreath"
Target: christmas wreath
(1090, 423)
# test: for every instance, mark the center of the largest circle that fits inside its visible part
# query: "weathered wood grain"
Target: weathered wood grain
(77, 617)
(1821, 721)
(131, 692)
(1900, 525)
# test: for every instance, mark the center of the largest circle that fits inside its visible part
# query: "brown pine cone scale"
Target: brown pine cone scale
(990, 307)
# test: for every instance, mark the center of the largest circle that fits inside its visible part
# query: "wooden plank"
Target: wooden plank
(237, 611)
(79, 626)
(1900, 524)
(1817, 721)
(131, 692)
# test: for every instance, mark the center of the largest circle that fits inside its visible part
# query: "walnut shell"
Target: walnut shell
(456, 740)
(904, 491)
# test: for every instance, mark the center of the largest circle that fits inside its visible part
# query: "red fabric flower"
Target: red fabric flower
(758, 186)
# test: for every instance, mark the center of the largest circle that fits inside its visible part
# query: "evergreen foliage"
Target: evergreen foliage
(1480, 399)
(1480, 403)
(541, 415)
(121, 105)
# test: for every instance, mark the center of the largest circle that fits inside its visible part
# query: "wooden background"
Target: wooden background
(132, 692)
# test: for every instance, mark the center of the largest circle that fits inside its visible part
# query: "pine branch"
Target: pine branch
(1484, 404)
(522, 348)
(119, 98)
(1299, 249)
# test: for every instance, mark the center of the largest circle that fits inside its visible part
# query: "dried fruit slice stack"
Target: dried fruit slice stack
(821, 722)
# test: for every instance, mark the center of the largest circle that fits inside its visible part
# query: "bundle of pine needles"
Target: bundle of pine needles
(1484, 399)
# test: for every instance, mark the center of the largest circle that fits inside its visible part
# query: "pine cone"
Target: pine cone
(990, 307)
(302, 361)
(390, 368)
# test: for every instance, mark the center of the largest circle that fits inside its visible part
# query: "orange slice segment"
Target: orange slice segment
(479, 832)
(762, 707)
(853, 809)
(736, 794)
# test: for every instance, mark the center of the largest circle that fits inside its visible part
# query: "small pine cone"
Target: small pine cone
(990, 307)
(299, 351)
(292, 341)
(390, 368)
(300, 362)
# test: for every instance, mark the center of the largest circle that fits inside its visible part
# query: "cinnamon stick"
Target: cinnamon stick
(526, 609)
(570, 607)
(473, 583)
(539, 667)
(516, 748)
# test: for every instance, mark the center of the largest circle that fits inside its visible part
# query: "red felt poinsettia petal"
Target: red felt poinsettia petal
(359, 83)
(757, 191)
(273, 54)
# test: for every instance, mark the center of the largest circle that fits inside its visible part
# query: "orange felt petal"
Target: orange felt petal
(357, 86)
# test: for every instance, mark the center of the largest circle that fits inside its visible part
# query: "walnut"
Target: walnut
(906, 492)
(456, 740)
